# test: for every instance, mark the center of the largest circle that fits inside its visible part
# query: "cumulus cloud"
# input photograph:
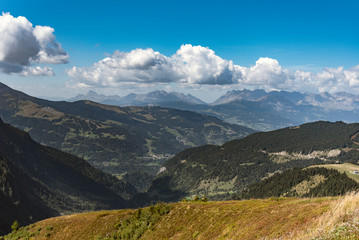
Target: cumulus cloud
(353, 76)
(190, 64)
(22, 45)
(140, 65)
(266, 71)
(199, 66)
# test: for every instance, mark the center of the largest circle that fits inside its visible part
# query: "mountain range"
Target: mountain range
(255, 109)
(38, 182)
(133, 99)
(111, 138)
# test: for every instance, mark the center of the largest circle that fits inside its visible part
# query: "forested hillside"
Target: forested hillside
(221, 171)
(38, 182)
(310, 182)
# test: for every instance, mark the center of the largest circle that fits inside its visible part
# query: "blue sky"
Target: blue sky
(306, 36)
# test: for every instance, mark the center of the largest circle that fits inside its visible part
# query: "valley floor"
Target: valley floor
(274, 218)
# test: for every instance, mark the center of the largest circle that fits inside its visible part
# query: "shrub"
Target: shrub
(15, 226)
(140, 221)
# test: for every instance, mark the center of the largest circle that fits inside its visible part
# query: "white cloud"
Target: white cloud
(353, 76)
(22, 45)
(196, 66)
(266, 72)
(140, 65)
(199, 65)
(190, 64)
(37, 71)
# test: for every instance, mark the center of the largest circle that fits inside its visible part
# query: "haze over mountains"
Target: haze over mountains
(256, 109)
(133, 99)
(111, 138)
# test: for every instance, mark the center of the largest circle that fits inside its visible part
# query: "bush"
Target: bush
(15, 226)
(140, 221)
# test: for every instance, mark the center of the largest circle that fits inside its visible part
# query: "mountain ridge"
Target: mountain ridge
(264, 111)
(220, 172)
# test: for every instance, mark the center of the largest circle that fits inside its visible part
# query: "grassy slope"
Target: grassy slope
(288, 218)
(348, 168)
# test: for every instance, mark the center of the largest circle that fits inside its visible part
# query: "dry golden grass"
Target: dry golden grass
(343, 210)
(77, 226)
(107, 107)
(274, 218)
(250, 219)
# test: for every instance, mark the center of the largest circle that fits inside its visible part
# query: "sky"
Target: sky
(57, 49)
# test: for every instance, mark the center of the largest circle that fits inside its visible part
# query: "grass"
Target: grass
(213, 187)
(340, 222)
(273, 218)
(30, 109)
(149, 146)
(174, 132)
(78, 226)
(250, 219)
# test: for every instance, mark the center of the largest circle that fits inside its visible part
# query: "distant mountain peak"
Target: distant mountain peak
(245, 94)
(92, 93)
